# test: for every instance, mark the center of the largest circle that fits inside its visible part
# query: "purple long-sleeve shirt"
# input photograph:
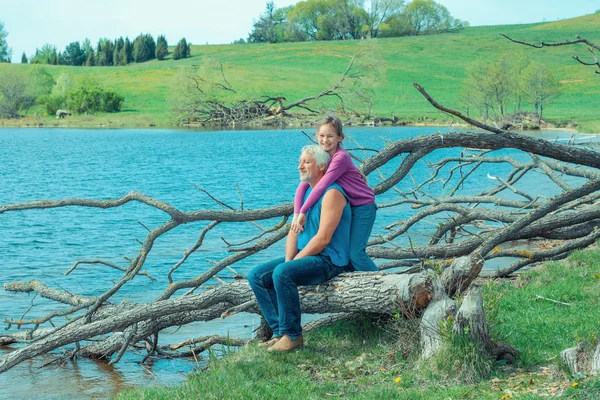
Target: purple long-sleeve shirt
(342, 170)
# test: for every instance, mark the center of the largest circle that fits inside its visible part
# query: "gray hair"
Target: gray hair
(321, 156)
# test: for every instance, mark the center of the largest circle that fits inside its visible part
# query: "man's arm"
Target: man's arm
(291, 245)
(331, 213)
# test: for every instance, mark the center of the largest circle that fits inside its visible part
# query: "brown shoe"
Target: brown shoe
(287, 344)
(269, 342)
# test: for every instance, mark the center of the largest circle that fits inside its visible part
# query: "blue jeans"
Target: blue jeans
(275, 285)
(363, 218)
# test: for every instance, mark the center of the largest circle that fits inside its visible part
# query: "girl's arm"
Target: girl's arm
(299, 197)
(340, 164)
(298, 219)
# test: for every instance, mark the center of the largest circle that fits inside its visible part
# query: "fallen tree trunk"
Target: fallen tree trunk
(357, 292)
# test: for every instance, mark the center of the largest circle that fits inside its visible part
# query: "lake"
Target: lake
(45, 164)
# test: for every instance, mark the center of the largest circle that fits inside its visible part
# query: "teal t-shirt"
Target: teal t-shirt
(338, 248)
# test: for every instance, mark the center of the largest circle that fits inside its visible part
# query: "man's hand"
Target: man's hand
(298, 223)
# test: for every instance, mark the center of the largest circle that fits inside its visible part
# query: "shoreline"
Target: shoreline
(296, 123)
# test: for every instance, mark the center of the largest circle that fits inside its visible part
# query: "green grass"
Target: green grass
(542, 329)
(367, 359)
(296, 70)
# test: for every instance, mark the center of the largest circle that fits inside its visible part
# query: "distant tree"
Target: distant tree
(40, 81)
(58, 96)
(351, 18)
(104, 53)
(62, 85)
(270, 26)
(128, 51)
(144, 48)
(118, 50)
(24, 59)
(46, 55)
(540, 86)
(491, 85)
(380, 11)
(308, 20)
(176, 53)
(5, 51)
(14, 96)
(518, 63)
(73, 54)
(123, 53)
(56, 100)
(426, 17)
(53, 60)
(162, 47)
(185, 48)
(91, 59)
(239, 41)
(86, 46)
(327, 20)
(40, 84)
(182, 50)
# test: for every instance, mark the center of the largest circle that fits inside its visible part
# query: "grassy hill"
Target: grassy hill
(296, 70)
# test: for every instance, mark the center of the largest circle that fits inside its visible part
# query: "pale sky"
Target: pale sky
(32, 23)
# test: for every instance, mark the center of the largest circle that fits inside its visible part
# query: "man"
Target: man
(320, 252)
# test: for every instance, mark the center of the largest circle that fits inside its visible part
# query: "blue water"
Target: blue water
(47, 164)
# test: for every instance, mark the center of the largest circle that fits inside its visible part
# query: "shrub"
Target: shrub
(112, 101)
(53, 103)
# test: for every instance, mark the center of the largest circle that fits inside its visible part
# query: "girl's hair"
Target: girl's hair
(321, 157)
(334, 122)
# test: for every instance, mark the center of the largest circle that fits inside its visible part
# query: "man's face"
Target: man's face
(308, 168)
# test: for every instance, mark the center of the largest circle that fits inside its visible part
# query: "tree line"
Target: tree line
(497, 88)
(109, 53)
(350, 19)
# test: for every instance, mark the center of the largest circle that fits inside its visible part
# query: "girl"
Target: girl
(341, 170)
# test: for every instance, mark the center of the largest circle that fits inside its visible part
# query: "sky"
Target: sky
(32, 23)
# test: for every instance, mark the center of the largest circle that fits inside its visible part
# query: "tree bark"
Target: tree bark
(357, 292)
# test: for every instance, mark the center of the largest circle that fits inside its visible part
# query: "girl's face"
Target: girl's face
(328, 138)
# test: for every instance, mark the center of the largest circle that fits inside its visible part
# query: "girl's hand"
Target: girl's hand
(298, 223)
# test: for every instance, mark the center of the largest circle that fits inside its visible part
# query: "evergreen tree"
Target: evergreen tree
(176, 53)
(53, 60)
(104, 54)
(86, 46)
(123, 54)
(91, 59)
(24, 59)
(119, 44)
(5, 51)
(144, 48)
(162, 47)
(45, 55)
(73, 54)
(182, 50)
(128, 51)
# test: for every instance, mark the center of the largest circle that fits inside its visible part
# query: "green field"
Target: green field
(296, 70)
